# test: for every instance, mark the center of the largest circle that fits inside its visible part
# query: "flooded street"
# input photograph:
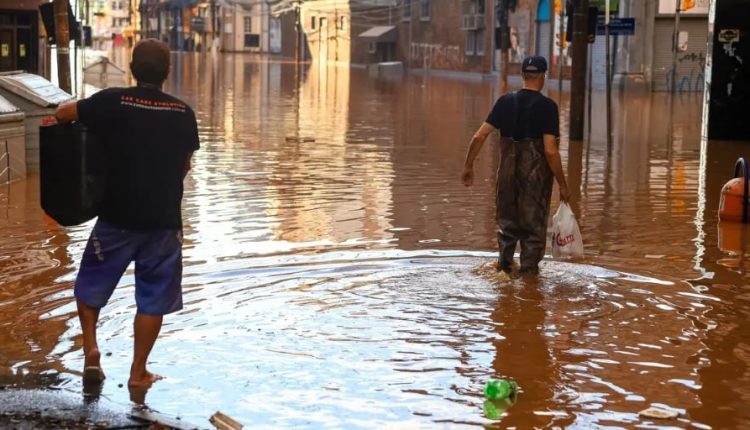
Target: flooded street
(336, 269)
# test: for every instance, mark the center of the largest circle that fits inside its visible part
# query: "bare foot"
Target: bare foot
(92, 369)
(143, 380)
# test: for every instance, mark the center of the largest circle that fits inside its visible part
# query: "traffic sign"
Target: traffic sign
(617, 26)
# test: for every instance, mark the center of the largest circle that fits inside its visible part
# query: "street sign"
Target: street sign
(617, 26)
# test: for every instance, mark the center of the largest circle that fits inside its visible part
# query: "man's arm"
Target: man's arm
(67, 112)
(467, 177)
(188, 165)
(555, 163)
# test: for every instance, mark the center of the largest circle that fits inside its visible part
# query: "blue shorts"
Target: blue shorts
(158, 268)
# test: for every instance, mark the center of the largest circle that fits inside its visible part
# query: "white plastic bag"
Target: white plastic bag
(566, 236)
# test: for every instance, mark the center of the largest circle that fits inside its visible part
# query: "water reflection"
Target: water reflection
(330, 266)
(523, 352)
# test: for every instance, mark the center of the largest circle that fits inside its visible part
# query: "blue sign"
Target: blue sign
(617, 26)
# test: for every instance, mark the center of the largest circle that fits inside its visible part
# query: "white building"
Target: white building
(245, 26)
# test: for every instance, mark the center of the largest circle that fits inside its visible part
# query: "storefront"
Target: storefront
(691, 52)
(19, 40)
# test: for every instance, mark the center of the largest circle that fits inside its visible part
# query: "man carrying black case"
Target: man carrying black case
(147, 141)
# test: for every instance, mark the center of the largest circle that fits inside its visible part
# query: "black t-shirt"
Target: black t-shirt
(537, 115)
(147, 137)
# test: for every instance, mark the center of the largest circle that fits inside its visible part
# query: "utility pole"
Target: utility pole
(298, 33)
(62, 39)
(578, 78)
(502, 18)
(675, 44)
(214, 26)
(551, 52)
(560, 60)
(609, 73)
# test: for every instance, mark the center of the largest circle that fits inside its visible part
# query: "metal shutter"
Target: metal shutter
(598, 60)
(690, 64)
(542, 38)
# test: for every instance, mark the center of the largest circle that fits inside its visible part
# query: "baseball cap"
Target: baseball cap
(150, 62)
(534, 64)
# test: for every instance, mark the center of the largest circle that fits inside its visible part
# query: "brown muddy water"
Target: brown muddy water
(335, 267)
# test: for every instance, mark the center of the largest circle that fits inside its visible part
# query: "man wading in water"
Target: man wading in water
(148, 139)
(529, 126)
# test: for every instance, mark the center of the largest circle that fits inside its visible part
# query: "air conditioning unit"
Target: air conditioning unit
(470, 23)
(473, 22)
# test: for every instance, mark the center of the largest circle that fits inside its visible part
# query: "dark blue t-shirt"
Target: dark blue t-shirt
(537, 115)
(147, 137)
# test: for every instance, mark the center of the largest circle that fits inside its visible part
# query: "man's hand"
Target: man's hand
(67, 112)
(467, 177)
(564, 194)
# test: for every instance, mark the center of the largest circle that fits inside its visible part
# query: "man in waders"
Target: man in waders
(148, 138)
(529, 127)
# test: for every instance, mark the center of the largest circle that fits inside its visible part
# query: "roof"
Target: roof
(6, 107)
(383, 33)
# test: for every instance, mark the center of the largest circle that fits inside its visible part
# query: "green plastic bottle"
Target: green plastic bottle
(496, 409)
(499, 389)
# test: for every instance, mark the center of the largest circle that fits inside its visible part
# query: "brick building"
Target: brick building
(459, 36)
(450, 36)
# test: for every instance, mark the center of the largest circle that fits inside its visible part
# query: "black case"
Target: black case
(72, 173)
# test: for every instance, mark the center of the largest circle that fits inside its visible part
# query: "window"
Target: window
(479, 44)
(248, 21)
(373, 48)
(313, 21)
(342, 23)
(424, 10)
(471, 42)
(252, 40)
(406, 10)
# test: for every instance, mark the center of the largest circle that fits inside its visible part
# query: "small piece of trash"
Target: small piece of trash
(657, 413)
(224, 422)
(300, 139)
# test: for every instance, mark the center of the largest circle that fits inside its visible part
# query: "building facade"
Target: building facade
(201, 25)
(348, 32)
(645, 58)
(21, 44)
(181, 24)
(245, 27)
(464, 35)
(113, 23)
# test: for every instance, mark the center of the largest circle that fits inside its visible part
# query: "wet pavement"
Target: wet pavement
(336, 270)
(37, 409)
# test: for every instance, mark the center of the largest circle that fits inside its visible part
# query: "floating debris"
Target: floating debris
(223, 422)
(657, 413)
(300, 139)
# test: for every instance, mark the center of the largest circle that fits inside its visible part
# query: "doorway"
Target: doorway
(19, 40)
(7, 50)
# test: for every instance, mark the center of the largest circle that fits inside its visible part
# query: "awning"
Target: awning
(383, 34)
